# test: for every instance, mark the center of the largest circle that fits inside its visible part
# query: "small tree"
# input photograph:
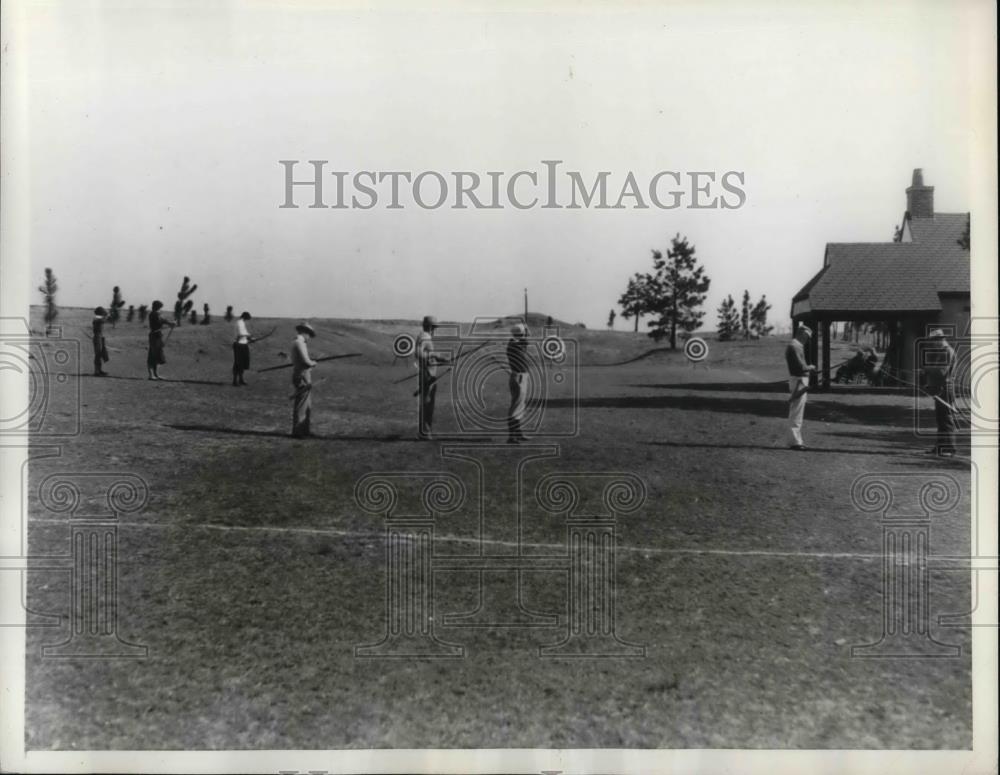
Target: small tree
(965, 241)
(143, 311)
(758, 318)
(229, 314)
(677, 289)
(193, 317)
(114, 311)
(611, 319)
(729, 319)
(635, 301)
(183, 305)
(48, 289)
(745, 315)
(130, 315)
(206, 318)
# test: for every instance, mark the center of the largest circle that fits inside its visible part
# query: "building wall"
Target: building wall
(953, 319)
(955, 312)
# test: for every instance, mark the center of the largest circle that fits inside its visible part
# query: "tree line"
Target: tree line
(673, 294)
(183, 306)
(750, 322)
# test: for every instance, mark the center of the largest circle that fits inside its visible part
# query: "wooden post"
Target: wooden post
(825, 327)
(813, 353)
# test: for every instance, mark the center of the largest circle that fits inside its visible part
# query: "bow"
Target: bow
(262, 338)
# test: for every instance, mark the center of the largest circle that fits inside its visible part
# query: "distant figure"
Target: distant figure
(798, 383)
(427, 363)
(939, 378)
(302, 381)
(519, 382)
(611, 319)
(241, 350)
(156, 356)
(100, 345)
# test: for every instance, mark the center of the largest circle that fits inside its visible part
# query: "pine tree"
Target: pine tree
(677, 288)
(49, 289)
(965, 241)
(745, 315)
(758, 318)
(114, 310)
(183, 304)
(635, 301)
(729, 319)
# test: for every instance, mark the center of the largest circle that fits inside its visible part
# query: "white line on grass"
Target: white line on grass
(485, 541)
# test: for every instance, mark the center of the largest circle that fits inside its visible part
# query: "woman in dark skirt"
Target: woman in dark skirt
(156, 356)
(241, 349)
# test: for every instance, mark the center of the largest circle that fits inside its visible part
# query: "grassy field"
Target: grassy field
(252, 574)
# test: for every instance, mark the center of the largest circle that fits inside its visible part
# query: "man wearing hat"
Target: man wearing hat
(798, 383)
(427, 363)
(100, 345)
(939, 379)
(302, 381)
(517, 360)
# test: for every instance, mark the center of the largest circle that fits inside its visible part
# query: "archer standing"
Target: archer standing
(100, 345)
(517, 360)
(940, 381)
(156, 356)
(302, 366)
(798, 383)
(241, 349)
(427, 363)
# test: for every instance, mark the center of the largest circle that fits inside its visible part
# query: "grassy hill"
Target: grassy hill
(199, 345)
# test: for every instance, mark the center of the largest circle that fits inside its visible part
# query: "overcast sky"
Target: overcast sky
(155, 136)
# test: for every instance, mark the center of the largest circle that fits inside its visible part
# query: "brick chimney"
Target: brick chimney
(920, 198)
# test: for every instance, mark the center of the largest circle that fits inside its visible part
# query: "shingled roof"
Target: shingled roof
(869, 278)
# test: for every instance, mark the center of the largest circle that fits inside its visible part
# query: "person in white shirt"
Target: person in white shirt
(241, 349)
(798, 384)
(302, 381)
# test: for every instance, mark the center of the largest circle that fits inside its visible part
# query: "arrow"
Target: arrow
(433, 381)
(454, 360)
(318, 360)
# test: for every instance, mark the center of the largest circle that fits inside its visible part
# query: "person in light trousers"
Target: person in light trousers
(798, 384)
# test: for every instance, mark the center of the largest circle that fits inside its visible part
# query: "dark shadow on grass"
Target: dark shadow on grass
(829, 411)
(775, 386)
(279, 434)
(780, 386)
(161, 379)
(808, 451)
